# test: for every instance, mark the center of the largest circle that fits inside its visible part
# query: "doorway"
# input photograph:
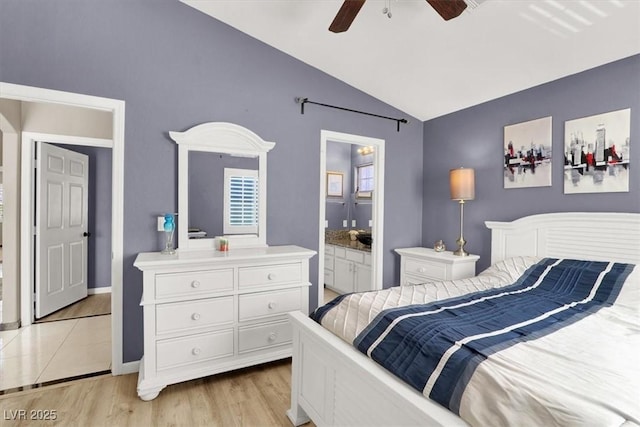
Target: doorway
(81, 234)
(357, 192)
(26, 247)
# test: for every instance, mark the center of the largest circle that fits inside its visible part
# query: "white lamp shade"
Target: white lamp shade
(462, 184)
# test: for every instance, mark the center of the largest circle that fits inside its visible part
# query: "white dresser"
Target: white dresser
(207, 312)
(420, 265)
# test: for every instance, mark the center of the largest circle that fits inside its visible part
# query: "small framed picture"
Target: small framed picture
(334, 184)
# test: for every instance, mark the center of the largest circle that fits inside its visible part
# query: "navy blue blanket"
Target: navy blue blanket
(436, 347)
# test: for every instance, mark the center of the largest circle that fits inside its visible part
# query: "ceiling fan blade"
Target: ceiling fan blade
(346, 15)
(448, 9)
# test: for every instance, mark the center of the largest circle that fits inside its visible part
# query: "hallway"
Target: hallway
(51, 351)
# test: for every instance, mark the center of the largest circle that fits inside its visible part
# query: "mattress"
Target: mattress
(584, 373)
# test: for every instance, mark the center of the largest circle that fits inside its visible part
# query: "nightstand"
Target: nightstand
(420, 265)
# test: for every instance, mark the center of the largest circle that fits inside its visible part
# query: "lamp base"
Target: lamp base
(460, 251)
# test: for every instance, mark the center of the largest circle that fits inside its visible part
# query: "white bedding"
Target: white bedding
(587, 373)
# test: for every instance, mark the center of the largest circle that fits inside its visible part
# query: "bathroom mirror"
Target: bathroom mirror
(205, 152)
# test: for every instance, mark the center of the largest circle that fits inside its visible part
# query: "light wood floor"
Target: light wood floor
(93, 305)
(257, 396)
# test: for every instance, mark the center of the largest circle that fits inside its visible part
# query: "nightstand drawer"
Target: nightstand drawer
(181, 316)
(194, 349)
(263, 304)
(193, 283)
(264, 336)
(412, 279)
(427, 269)
(269, 274)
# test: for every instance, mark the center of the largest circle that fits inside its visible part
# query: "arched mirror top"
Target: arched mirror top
(222, 137)
(229, 141)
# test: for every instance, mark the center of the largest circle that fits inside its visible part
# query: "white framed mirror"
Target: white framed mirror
(214, 160)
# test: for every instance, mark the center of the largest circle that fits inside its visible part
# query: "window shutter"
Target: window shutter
(241, 201)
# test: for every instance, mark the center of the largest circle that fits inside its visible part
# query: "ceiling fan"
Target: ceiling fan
(448, 9)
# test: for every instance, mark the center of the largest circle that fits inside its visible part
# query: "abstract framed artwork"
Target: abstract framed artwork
(527, 154)
(596, 153)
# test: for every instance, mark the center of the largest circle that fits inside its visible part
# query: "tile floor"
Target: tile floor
(50, 351)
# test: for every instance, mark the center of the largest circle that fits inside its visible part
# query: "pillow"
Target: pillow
(511, 268)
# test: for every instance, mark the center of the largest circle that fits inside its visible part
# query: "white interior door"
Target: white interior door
(62, 178)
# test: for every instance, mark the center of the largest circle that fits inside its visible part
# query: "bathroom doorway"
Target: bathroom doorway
(351, 214)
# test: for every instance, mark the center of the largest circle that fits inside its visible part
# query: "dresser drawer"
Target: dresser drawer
(182, 316)
(253, 306)
(264, 336)
(269, 274)
(194, 348)
(427, 269)
(193, 283)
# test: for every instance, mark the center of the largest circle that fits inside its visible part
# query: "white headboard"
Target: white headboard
(598, 236)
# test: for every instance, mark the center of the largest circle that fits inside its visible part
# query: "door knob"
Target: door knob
(86, 234)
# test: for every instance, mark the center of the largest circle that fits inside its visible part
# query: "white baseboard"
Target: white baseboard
(128, 368)
(101, 290)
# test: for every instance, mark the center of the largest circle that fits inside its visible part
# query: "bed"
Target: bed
(335, 384)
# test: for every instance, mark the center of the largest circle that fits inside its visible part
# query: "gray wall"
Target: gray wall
(175, 68)
(99, 248)
(474, 138)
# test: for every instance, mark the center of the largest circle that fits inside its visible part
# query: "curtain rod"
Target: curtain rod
(302, 101)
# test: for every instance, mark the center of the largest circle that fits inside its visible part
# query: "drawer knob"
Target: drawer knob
(195, 316)
(422, 270)
(272, 337)
(272, 305)
(195, 284)
(195, 351)
(271, 276)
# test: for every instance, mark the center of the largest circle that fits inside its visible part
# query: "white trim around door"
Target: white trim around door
(117, 108)
(377, 214)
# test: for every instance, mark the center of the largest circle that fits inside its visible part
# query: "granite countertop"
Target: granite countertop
(347, 243)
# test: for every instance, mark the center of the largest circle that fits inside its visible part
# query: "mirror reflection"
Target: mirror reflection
(223, 195)
(352, 208)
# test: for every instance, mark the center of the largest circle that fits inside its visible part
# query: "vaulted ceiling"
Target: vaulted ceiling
(428, 67)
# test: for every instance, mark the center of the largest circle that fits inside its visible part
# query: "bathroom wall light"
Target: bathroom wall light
(365, 150)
